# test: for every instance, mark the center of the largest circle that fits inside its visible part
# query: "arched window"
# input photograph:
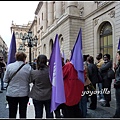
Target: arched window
(50, 46)
(25, 34)
(44, 49)
(106, 44)
(21, 35)
(17, 35)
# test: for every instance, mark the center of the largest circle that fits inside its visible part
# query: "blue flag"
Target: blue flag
(12, 50)
(119, 44)
(56, 76)
(77, 57)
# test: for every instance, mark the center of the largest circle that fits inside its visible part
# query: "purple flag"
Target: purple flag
(56, 76)
(119, 44)
(77, 57)
(12, 50)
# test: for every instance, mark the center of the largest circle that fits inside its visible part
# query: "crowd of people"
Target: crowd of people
(95, 74)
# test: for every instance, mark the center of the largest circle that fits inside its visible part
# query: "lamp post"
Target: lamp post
(29, 41)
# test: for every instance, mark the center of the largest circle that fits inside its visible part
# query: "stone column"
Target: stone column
(58, 6)
(50, 13)
(71, 8)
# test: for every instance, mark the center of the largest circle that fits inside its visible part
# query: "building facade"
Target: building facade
(20, 31)
(3, 49)
(98, 20)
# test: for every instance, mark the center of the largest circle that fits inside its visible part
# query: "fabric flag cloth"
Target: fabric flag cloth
(12, 50)
(119, 44)
(77, 57)
(56, 76)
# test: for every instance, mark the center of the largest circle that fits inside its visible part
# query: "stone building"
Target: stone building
(20, 31)
(3, 49)
(99, 21)
(33, 28)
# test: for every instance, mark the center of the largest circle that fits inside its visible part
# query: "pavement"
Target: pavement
(100, 112)
(104, 112)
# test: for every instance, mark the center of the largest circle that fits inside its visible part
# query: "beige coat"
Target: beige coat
(87, 80)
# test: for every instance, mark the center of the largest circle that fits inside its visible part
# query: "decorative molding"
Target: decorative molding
(96, 22)
(112, 14)
(81, 11)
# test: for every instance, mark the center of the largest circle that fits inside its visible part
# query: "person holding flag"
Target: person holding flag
(18, 85)
(73, 76)
(56, 76)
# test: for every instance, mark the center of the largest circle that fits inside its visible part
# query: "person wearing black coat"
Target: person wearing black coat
(117, 86)
(93, 76)
(106, 83)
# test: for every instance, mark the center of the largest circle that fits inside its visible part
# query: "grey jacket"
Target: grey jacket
(42, 88)
(19, 84)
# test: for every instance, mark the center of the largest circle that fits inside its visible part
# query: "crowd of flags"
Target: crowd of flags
(56, 75)
(55, 65)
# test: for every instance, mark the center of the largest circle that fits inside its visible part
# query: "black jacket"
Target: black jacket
(93, 73)
(104, 69)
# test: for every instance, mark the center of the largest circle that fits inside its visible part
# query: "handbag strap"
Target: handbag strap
(15, 73)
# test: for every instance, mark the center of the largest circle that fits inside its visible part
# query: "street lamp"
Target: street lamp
(30, 42)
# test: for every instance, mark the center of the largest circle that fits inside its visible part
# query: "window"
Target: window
(21, 35)
(44, 49)
(17, 35)
(25, 34)
(42, 16)
(106, 44)
(50, 46)
(39, 21)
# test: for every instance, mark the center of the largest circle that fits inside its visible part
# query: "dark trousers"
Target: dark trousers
(117, 94)
(2, 83)
(72, 111)
(93, 98)
(39, 108)
(106, 84)
(13, 106)
(57, 111)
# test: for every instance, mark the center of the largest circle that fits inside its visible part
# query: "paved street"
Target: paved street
(100, 112)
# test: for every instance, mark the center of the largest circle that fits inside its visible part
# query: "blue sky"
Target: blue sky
(20, 12)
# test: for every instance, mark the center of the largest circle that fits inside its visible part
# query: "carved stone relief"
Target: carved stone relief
(112, 13)
(96, 22)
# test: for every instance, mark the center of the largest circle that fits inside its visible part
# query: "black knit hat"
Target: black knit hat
(107, 55)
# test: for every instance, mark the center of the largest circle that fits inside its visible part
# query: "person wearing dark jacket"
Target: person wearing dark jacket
(117, 86)
(93, 76)
(42, 88)
(106, 83)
